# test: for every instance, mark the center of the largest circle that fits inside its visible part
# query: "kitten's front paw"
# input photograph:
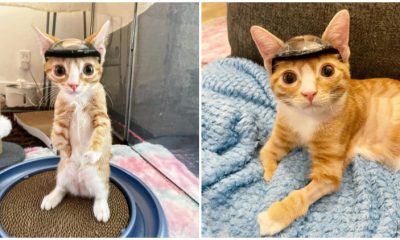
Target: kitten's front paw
(91, 157)
(268, 174)
(269, 168)
(51, 201)
(281, 214)
(268, 226)
(101, 210)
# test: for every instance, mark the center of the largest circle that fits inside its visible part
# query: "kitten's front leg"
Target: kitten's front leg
(282, 140)
(60, 141)
(326, 175)
(60, 131)
(101, 125)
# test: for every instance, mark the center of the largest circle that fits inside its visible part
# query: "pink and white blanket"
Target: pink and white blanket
(214, 44)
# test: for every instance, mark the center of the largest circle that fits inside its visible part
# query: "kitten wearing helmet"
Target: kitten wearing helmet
(81, 129)
(320, 107)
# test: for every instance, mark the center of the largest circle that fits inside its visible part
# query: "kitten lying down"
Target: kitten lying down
(81, 128)
(320, 107)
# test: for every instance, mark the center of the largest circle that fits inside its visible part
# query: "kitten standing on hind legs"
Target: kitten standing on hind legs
(320, 107)
(81, 129)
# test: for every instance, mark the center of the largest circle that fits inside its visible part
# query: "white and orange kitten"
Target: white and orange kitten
(81, 129)
(320, 107)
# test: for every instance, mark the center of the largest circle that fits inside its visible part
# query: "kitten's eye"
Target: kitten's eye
(88, 69)
(289, 77)
(327, 70)
(59, 71)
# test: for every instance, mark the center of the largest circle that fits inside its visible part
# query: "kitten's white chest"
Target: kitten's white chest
(304, 125)
(80, 131)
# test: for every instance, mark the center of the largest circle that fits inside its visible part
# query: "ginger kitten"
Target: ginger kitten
(81, 129)
(320, 107)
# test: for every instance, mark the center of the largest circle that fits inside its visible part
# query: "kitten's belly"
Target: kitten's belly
(80, 180)
(76, 176)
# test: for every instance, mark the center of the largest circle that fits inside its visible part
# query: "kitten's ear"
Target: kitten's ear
(337, 33)
(99, 38)
(46, 40)
(268, 45)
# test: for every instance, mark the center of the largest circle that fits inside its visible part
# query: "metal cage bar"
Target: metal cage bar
(131, 72)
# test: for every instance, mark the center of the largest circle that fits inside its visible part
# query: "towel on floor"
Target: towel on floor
(238, 112)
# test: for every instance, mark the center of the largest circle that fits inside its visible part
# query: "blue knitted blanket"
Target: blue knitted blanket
(238, 111)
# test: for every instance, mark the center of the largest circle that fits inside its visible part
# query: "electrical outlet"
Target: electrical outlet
(24, 59)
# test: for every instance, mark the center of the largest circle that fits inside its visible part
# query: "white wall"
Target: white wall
(120, 13)
(16, 33)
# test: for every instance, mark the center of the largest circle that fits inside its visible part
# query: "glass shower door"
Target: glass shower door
(151, 76)
(164, 102)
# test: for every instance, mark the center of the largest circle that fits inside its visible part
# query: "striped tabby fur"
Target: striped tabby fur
(81, 129)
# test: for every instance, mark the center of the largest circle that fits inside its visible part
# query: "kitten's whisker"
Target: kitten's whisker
(53, 86)
(109, 97)
(51, 96)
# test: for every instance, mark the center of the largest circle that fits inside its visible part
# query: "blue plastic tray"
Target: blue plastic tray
(147, 217)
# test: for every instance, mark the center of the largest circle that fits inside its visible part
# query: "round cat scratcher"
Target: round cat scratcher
(135, 211)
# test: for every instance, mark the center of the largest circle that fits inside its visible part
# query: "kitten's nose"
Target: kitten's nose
(309, 95)
(73, 86)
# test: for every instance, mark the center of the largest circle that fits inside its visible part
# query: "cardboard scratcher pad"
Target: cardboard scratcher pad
(21, 216)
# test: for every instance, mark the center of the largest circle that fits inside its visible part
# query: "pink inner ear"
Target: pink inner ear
(337, 33)
(44, 49)
(45, 46)
(100, 38)
(45, 41)
(268, 45)
(101, 49)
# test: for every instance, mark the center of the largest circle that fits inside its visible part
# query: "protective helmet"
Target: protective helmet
(303, 47)
(72, 48)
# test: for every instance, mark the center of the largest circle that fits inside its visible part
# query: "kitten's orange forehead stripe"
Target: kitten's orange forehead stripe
(71, 42)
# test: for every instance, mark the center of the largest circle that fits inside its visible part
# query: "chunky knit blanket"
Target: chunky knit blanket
(238, 111)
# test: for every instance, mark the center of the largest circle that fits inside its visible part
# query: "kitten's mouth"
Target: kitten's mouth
(312, 105)
(76, 92)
